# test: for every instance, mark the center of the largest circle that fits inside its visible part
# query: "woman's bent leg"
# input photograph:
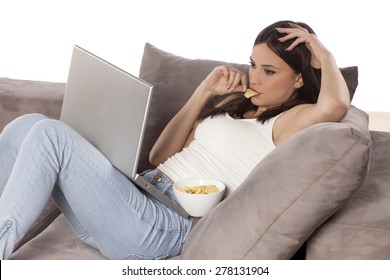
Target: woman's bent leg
(103, 204)
(11, 139)
(107, 211)
(28, 187)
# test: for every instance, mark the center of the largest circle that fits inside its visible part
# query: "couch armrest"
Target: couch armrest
(19, 97)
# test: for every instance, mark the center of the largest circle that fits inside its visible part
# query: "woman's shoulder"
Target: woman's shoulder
(289, 122)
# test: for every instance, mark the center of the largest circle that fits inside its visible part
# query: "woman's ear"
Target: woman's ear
(298, 81)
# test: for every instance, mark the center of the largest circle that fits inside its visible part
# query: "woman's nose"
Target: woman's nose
(254, 78)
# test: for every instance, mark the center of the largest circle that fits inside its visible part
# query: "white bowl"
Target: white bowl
(198, 205)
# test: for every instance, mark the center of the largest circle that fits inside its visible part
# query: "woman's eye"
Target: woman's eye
(252, 65)
(269, 72)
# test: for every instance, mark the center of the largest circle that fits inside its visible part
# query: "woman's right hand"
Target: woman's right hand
(225, 79)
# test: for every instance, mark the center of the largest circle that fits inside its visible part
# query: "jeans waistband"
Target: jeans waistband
(158, 179)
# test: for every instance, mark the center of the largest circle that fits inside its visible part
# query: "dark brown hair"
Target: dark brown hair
(299, 59)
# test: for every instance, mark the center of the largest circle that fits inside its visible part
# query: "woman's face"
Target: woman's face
(272, 78)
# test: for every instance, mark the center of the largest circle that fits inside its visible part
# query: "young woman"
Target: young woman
(218, 133)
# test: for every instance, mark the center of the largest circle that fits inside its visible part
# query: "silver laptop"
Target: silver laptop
(109, 107)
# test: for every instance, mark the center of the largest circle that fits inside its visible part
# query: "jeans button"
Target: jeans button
(157, 178)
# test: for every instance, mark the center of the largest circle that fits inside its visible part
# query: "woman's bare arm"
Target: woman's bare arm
(333, 100)
(179, 131)
(175, 135)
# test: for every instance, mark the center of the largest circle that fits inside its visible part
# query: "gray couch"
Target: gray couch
(323, 194)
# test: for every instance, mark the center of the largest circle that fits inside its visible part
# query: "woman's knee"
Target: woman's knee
(29, 119)
(17, 130)
(56, 134)
(24, 122)
(51, 128)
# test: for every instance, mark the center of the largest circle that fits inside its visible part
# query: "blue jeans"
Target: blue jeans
(42, 158)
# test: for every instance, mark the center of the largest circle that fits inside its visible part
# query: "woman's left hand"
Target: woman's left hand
(317, 49)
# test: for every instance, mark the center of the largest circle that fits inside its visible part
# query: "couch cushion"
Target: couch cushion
(288, 195)
(57, 242)
(361, 229)
(175, 79)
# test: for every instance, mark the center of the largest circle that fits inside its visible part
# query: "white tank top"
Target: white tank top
(223, 148)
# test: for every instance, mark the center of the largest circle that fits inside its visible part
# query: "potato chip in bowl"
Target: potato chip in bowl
(198, 195)
(201, 189)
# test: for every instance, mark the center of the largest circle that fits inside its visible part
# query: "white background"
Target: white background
(37, 36)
